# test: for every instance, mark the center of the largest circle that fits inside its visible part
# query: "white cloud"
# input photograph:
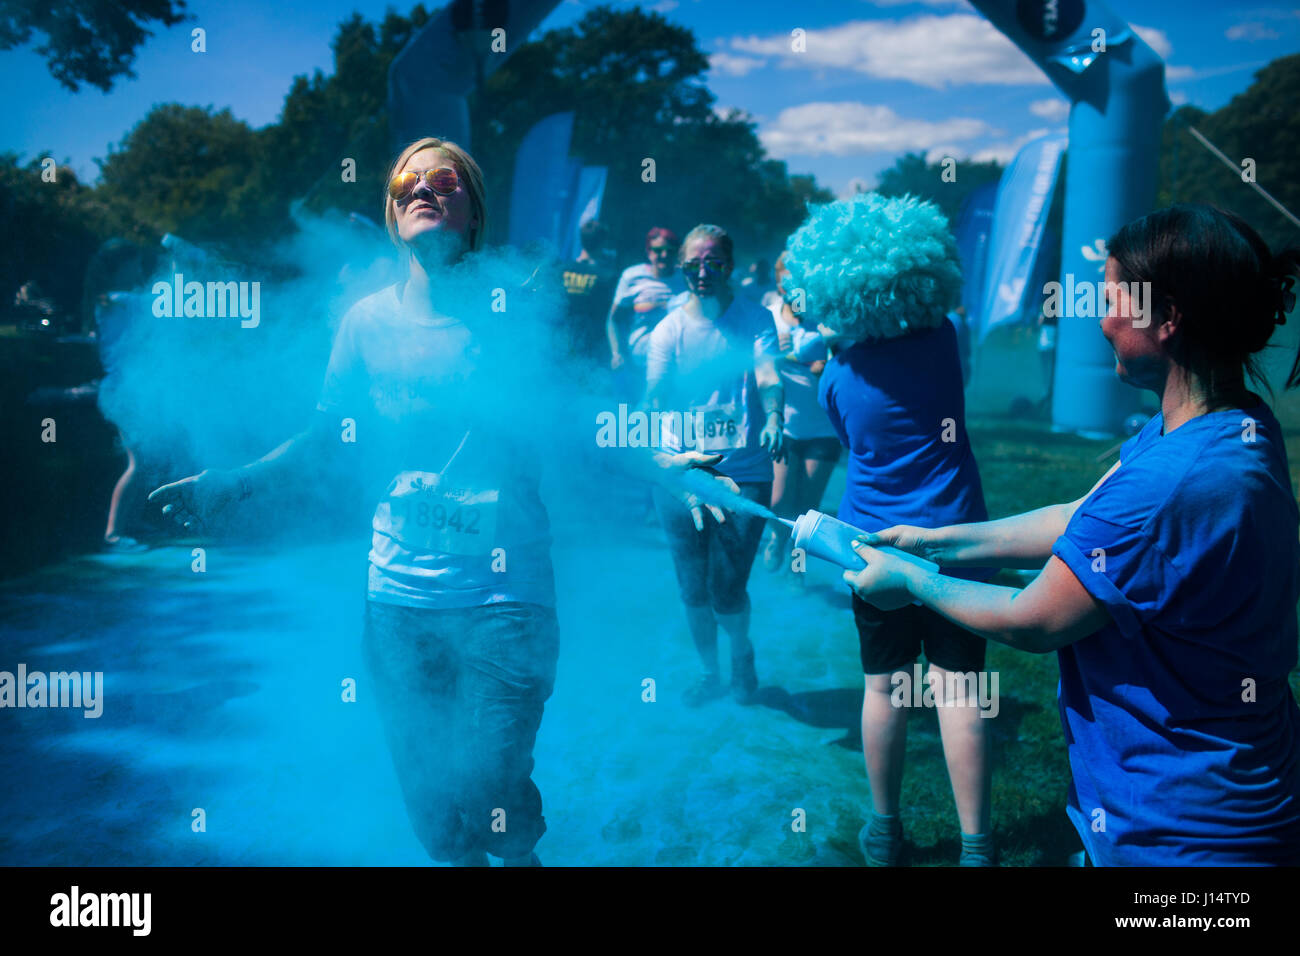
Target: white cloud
(1001, 152)
(1178, 98)
(733, 65)
(735, 113)
(663, 6)
(939, 153)
(1005, 152)
(1053, 110)
(1158, 40)
(932, 51)
(1251, 31)
(847, 128)
(854, 186)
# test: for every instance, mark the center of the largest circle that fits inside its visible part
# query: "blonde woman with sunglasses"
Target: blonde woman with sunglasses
(462, 656)
(461, 638)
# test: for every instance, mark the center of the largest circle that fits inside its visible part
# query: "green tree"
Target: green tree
(912, 175)
(86, 41)
(636, 84)
(1259, 124)
(61, 224)
(188, 170)
(327, 119)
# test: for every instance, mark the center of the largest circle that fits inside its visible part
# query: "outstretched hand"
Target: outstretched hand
(192, 502)
(773, 439)
(688, 460)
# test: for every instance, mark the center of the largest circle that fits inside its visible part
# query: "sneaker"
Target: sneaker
(978, 850)
(707, 688)
(881, 841)
(744, 681)
(121, 544)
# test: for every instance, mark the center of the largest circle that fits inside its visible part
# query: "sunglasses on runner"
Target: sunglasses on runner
(442, 180)
(712, 266)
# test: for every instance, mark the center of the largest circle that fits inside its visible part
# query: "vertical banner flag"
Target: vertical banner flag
(1019, 218)
(544, 182)
(972, 231)
(586, 205)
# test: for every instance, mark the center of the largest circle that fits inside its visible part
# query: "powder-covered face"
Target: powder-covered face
(424, 213)
(661, 254)
(705, 266)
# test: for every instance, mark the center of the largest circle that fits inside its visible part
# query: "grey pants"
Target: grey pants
(460, 694)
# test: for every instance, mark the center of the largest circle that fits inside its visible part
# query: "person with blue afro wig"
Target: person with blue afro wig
(879, 275)
(875, 267)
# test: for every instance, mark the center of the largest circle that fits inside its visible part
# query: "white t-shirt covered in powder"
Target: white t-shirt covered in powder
(641, 300)
(804, 417)
(704, 369)
(442, 432)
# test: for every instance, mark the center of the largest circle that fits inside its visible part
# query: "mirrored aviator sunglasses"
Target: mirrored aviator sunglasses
(711, 266)
(442, 180)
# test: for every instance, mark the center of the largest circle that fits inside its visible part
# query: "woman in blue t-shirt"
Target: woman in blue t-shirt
(1170, 589)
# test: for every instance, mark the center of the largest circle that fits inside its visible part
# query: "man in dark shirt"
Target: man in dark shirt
(589, 283)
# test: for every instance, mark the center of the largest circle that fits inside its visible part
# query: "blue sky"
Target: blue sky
(878, 77)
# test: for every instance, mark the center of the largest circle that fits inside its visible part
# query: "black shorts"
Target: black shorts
(889, 640)
(713, 565)
(816, 449)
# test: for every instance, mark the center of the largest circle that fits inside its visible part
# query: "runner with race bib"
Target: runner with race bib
(710, 370)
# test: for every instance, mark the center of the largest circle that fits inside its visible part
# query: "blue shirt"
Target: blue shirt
(898, 406)
(1184, 738)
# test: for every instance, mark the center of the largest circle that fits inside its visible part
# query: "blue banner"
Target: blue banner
(972, 231)
(586, 205)
(1019, 219)
(440, 65)
(545, 182)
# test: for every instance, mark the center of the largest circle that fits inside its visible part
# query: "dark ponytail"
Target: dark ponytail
(1230, 291)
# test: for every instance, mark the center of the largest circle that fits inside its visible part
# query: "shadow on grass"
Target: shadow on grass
(839, 709)
(112, 790)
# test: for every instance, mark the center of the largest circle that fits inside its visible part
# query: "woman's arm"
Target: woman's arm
(1019, 541)
(611, 332)
(1055, 610)
(198, 498)
(772, 394)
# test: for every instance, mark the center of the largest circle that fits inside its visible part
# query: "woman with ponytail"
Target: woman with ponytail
(1170, 589)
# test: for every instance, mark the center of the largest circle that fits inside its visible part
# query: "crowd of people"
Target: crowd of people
(1169, 590)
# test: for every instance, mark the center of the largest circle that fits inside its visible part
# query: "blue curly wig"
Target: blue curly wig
(873, 267)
